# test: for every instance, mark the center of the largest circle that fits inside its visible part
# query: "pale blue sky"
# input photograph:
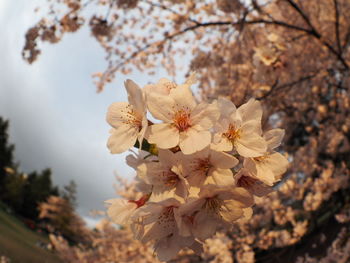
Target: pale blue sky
(57, 119)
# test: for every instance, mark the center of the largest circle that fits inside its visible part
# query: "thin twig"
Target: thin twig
(276, 88)
(164, 7)
(317, 35)
(303, 15)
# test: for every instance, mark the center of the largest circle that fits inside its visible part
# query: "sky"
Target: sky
(57, 119)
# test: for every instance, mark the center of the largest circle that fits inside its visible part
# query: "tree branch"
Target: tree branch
(201, 25)
(336, 25)
(317, 35)
(303, 15)
(169, 37)
(276, 88)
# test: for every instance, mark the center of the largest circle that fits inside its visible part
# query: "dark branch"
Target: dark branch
(303, 15)
(276, 88)
(317, 35)
(336, 25)
(229, 23)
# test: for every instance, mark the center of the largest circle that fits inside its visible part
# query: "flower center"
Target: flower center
(182, 120)
(212, 204)
(232, 133)
(132, 118)
(170, 178)
(167, 216)
(203, 165)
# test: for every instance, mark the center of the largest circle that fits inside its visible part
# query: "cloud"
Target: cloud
(56, 118)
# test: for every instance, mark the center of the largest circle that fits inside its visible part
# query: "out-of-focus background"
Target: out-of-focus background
(63, 62)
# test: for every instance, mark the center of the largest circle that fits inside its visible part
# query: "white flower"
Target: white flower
(269, 167)
(128, 120)
(210, 167)
(215, 206)
(163, 86)
(185, 123)
(156, 221)
(120, 210)
(166, 175)
(241, 130)
(138, 161)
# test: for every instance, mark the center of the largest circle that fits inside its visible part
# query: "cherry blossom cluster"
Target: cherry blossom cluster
(200, 166)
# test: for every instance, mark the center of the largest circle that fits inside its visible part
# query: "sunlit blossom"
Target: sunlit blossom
(210, 167)
(128, 120)
(166, 174)
(241, 130)
(270, 166)
(185, 123)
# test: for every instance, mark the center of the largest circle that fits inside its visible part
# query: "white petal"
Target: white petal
(277, 163)
(191, 206)
(274, 138)
(120, 113)
(205, 225)
(226, 107)
(222, 160)
(168, 158)
(122, 139)
(165, 249)
(164, 135)
(239, 194)
(192, 140)
(196, 178)
(264, 173)
(205, 115)
(168, 248)
(250, 145)
(161, 107)
(250, 165)
(250, 111)
(260, 189)
(135, 96)
(142, 132)
(231, 211)
(221, 143)
(183, 98)
(222, 177)
(252, 126)
(120, 210)
(162, 87)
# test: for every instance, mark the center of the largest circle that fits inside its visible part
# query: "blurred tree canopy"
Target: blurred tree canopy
(293, 55)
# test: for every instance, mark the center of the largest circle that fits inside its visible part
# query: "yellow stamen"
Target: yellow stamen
(182, 120)
(232, 133)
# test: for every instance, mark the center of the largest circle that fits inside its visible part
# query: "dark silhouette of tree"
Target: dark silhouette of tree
(38, 188)
(6, 154)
